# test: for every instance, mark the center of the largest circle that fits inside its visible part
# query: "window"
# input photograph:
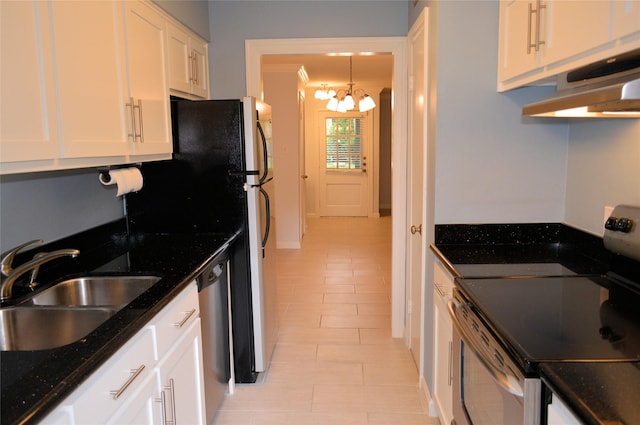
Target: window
(343, 139)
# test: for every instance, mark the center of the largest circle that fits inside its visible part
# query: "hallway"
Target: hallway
(335, 361)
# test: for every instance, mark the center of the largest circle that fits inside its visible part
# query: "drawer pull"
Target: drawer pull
(186, 318)
(134, 374)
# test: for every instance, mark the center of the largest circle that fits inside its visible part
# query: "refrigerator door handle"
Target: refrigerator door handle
(267, 224)
(244, 173)
(265, 160)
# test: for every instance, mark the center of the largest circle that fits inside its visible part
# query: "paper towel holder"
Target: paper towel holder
(104, 171)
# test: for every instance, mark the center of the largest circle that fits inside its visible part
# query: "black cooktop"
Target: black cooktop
(564, 318)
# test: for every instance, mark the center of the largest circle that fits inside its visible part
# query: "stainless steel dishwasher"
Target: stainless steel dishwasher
(214, 314)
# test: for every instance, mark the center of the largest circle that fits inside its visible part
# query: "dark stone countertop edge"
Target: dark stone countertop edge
(580, 386)
(35, 391)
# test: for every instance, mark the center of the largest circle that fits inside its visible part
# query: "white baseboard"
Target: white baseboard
(433, 411)
(288, 245)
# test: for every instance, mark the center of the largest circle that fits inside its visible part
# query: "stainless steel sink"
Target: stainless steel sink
(68, 311)
(115, 291)
(40, 328)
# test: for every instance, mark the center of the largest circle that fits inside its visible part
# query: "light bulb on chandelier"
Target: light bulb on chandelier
(343, 100)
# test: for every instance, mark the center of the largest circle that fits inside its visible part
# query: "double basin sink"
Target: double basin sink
(68, 311)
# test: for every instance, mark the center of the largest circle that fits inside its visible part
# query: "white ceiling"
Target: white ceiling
(368, 70)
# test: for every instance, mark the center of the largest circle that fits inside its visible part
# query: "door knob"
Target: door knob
(416, 229)
(304, 176)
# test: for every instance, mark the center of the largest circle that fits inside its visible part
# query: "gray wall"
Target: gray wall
(192, 13)
(233, 22)
(603, 168)
(51, 205)
(491, 164)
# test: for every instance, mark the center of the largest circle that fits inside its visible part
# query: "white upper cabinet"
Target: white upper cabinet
(28, 126)
(575, 27)
(188, 63)
(518, 46)
(91, 76)
(87, 84)
(148, 82)
(543, 38)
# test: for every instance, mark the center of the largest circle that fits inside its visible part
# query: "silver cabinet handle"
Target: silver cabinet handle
(537, 43)
(163, 401)
(141, 135)
(185, 319)
(132, 117)
(134, 135)
(195, 68)
(134, 374)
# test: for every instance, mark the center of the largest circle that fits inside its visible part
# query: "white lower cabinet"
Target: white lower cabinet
(154, 378)
(443, 337)
(180, 379)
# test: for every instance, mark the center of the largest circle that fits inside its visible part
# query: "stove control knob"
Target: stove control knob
(624, 225)
(611, 224)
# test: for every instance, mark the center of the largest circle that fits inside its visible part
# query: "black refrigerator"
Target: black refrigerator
(220, 181)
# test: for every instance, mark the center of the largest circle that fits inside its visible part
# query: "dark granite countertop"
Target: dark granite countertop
(598, 392)
(34, 382)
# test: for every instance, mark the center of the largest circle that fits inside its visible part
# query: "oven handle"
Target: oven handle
(508, 382)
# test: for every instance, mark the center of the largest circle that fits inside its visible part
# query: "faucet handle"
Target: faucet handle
(7, 257)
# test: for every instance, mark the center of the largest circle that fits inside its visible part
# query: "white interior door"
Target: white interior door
(302, 163)
(345, 143)
(415, 192)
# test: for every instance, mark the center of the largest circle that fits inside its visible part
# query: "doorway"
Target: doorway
(255, 49)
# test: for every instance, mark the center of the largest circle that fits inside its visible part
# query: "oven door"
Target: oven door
(488, 388)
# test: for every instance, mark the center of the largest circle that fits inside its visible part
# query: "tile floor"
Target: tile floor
(335, 362)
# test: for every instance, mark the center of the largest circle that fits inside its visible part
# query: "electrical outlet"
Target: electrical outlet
(607, 213)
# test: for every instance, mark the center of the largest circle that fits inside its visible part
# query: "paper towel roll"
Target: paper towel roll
(126, 179)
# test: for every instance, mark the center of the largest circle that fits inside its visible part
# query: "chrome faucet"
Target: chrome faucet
(7, 258)
(33, 266)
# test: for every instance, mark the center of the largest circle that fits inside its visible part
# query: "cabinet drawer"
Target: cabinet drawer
(110, 387)
(175, 319)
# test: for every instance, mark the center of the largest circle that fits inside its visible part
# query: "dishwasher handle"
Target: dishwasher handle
(214, 271)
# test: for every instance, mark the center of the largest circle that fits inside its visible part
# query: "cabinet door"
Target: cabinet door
(565, 38)
(188, 63)
(442, 380)
(517, 31)
(200, 68)
(91, 77)
(626, 18)
(181, 379)
(149, 86)
(180, 74)
(28, 129)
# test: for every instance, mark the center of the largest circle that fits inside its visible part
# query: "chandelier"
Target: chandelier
(344, 99)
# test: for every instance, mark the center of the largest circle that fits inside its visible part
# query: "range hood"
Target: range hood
(607, 89)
